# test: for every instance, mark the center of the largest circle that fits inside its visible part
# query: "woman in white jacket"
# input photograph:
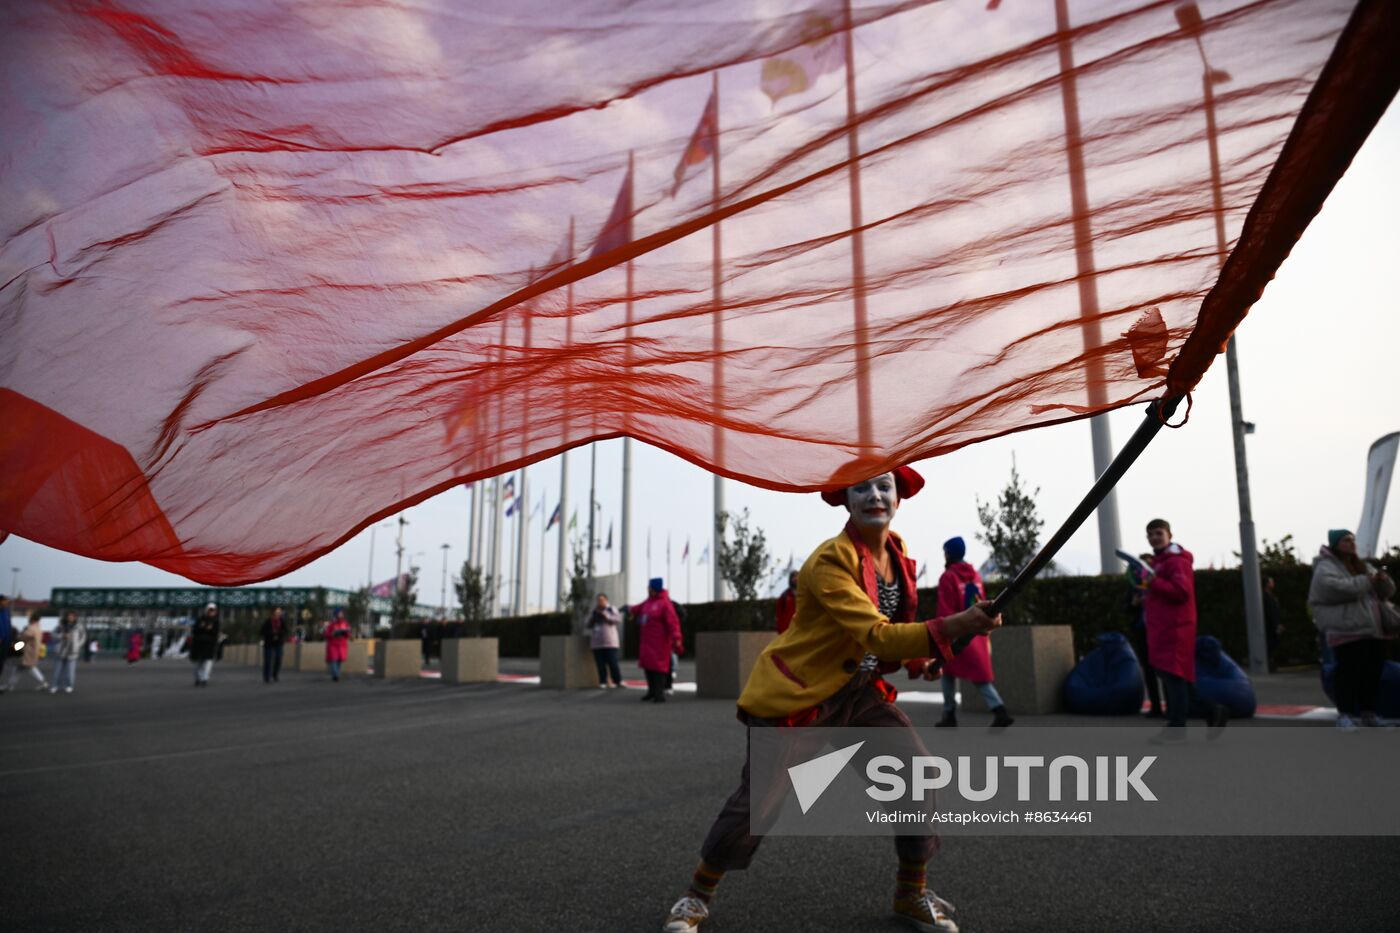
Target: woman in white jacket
(1345, 599)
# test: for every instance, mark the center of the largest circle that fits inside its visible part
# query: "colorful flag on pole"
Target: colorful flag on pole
(608, 546)
(508, 490)
(795, 70)
(923, 572)
(617, 232)
(573, 520)
(512, 508)
(385, 589)
(704, 555)
(685, 552)
(555, 517)
(702, 144)
(539, 507)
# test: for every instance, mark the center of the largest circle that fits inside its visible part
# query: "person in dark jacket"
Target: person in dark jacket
(204, 643)
(1273, 622)
(274, 636)
(7, 634)
(1137, 631)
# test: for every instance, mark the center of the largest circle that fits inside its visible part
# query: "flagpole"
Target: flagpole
(544, 535)
(627, 439)
(1100, 439)
(471, 522)
(717, 317)
(522, 546)
(495, 575)
(862, 351)
(559, 575)
(496, 529)
(592, 509)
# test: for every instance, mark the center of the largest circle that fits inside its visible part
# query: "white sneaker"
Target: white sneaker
(686, 915)
(50, 689)
(926, 911)
(67, 689)
(1345, 724)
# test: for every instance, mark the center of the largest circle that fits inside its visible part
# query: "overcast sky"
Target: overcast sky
(1318, 372)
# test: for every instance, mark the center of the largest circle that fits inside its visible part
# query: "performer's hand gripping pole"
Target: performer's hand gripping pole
(1157, 415)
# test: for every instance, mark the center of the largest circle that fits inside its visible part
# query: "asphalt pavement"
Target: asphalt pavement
(142, 803)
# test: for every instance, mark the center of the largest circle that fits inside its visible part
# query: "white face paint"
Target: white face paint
(872, 504)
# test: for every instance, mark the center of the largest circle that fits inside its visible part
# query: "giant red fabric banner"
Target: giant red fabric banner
(272, 269)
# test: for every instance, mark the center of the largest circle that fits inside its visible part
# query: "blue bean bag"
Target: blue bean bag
(1389, 699)
(1107, 682)
(1220, 680)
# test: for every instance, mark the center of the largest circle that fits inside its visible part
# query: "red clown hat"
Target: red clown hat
(907, 482)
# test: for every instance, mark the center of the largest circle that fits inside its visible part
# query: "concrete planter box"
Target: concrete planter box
(311, 656)
(566, 663)
(397, 657)
(357, 657)
(1030, 663)
(470, 660)
(723, 661)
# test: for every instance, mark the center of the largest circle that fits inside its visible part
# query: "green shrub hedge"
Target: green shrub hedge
(1089, 605)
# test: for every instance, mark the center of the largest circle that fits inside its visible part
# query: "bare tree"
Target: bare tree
(744, 559)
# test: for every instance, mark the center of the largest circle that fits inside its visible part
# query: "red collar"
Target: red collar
(904, 568)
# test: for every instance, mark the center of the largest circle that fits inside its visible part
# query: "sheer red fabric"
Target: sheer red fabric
(271, 269)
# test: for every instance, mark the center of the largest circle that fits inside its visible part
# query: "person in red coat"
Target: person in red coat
(787, 604)
(337, 643)
(660, 630)
(133, 647)
(1169, 612)
(960, 587)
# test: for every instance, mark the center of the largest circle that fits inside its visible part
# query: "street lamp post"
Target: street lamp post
(369, 577)
(445, 549)
(1100, 437)
(1188, 17)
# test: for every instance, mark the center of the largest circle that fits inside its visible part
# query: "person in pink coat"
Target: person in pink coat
(959, 587)
(337, 643)
(1169, 612)
(660, 630)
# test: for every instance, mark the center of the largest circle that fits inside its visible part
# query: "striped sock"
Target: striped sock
(704, 882)
(910, 879)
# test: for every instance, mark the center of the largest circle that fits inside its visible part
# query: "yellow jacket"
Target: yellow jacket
(836, 624)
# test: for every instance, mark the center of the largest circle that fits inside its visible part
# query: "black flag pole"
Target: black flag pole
(1157, 415)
